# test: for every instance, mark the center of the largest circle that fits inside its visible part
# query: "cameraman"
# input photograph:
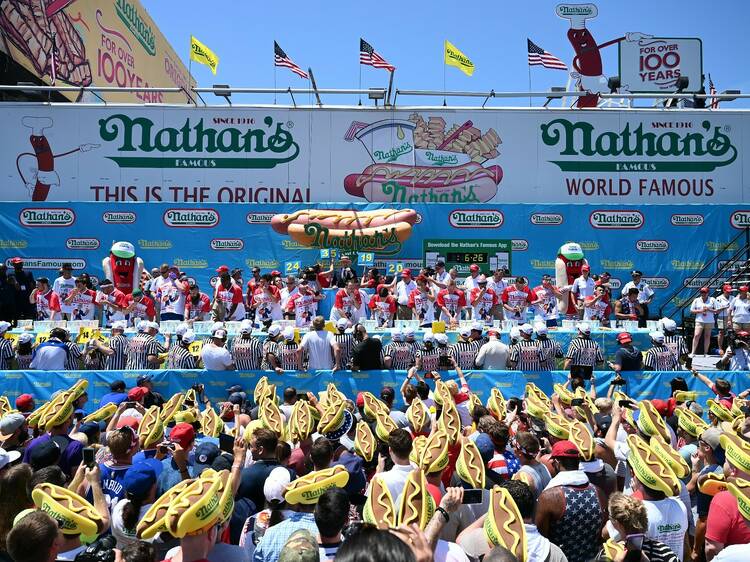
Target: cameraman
(627, 357)
(737, 355)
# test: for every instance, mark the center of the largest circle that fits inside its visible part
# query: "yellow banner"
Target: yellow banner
(196, 347)
(202, 54)
(454, 57)
(99, 43)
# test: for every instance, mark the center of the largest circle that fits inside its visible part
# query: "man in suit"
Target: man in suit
(344, 273)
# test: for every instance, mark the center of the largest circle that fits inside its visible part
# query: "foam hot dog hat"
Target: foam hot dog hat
(532, 389)
(474, 401)
(556, 425)
(581, 436)
(740, 489)
(736, 408)
(371, 405)
(496, 404)
(685, 396)
(270, 415)
(669, 456)
(503, 525)
(690, 422)
(151, 428)
(736, 450)
(5, 407)
(365, 444)
(379, 509)
(613, 549)
(56, 414)
(73, 513)
(384, 425)
(442, 394)
(649, 468)
(650, 421)
(565, 396)
(332, 418)
(469, 465)
(36, 415)
(535, 407)
(102, 414)
(260, 388)
(152, 521)
(418, 416)
(712, 483)
(734, 426)
(197, 508)
(300, 422)
(171, 407)
(309, 488)
(450, 422)
(333, 396)
(719, 410)
(434, 455)
(211, 423)
(417, 505)
(417, 446)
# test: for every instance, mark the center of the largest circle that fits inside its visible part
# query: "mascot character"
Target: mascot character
(122, 267)
(568, 266)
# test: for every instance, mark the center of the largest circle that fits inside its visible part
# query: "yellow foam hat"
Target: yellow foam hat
(270, 415)
(535, 407)
(260, 389)
(650, 421)
(211, 423)
(57, 415)
(365, 444)
(649, 468)
(613, 549)
(581, 436)
(565, 396)
(469, 465)
(735, 426)
(104, 413)
(371, 405)
(384, 425)
(196, 509)
(379, 509)
(740, 489)
(669, 456)
(73, 514)
(474, 401)
(5, 407)
(712, 483)
(503, 525)
(418, 416)
(557, 426)
(151, 428)
(685, 396)
(300, 421)
(736, 409)
(171, 407)
(442, 395)
(532, 389)
(719, 410)
(496, 404)
(417, 446)
(417, 505)
(690, 422)
(736, 450)
(434, 457)
(450, 422)
(186, 416)
(332, 417)
(152, 522)
(35, 416)
(307, 489)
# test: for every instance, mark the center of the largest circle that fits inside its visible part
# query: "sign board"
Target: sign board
(99, 43)
(365, 259)
(653, 65)
(488, 254)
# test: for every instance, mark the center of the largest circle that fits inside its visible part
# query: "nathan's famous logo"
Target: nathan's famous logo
(543, 264)
(119, 217)
(687, 220)
(637, 150)
(227, 244)
(617, 264)
(138, 26)
(652, 245)
(154, 244)
(421, 160)
(191, 263)
(82, 244)
(616, 219)
(47, 217)
(195, 145)
(682, 265)
(698, 282)
(519, 245)
(546, 219)
(382, 231)
(740, 219)
(50, 263)
(657, 282)
(259, 218)
(8, 244)
(713, 246)
(202, 218)
(476, 218)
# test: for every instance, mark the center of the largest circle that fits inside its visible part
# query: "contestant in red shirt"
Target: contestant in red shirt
(47, 301)
(450, 301)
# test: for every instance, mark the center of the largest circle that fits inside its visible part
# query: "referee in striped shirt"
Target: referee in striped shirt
(247, 351)
(464, 351)
(398, 354)
(116, 349)
(551, 347)
(659, 357)
(345, 341)
(584, 354)
(526, 354)
(674, 341)
(179, 354)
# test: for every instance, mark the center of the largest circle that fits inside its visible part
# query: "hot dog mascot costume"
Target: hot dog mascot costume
(123, 267)
(568, 266)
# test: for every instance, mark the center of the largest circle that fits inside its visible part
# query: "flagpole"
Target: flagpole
(529, 85)
(190, 64)
(274, 81)
(360, 81)
(444, 65)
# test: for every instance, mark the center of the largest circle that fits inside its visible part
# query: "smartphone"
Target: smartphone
(633, 547)
(576, 402)
(473, 495)
(130, 404)
(624, 403)
(89, 457)
(226, 443)
(444, 361)
(302, 396)
(430, 375)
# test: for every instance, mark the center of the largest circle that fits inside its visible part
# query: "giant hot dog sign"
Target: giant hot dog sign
(261, 155)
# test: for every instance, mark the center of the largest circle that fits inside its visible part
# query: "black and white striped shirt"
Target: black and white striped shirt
(401, 353)
(527, 355)
(6, 354)
(139, 348)
(247, 353)
(430, 358)
(584, 352)
(72, 362)
(346, 345)
(464, 353)
(553, 350)
(119, 360)
(269, 348)
(660, 358)
(286, 352)
(676, 345)
(180, 358)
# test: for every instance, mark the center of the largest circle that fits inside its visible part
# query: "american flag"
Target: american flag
(712, 92)
(538, 56)
(280, 59)
(368, 55)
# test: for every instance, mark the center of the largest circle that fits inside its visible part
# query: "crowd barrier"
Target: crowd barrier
(43, 384)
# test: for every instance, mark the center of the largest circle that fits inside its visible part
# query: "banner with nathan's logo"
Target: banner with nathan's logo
(261, 155)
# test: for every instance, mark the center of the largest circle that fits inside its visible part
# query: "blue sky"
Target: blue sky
(409, 34)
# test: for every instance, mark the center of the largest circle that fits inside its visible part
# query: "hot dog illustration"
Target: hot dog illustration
(123, 267)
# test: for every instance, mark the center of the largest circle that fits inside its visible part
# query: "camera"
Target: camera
(619, 381)
(444, 361)
(102, 550)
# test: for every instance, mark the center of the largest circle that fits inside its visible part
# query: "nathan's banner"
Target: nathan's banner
(98, 43)
(263, 155)
(654, 64)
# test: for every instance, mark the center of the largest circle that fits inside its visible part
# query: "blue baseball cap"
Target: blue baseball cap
(205, 454)
(486, 447)
(141, 477)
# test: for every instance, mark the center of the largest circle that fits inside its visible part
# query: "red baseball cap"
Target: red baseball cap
(406, 272)
(128, 421)
(743, 289)
(624, 337)
(586, 268)
(183, 434)
(664, 407)
(137, 393)
(222, 269)
(565, 449)
(16, 260)
(474, 267)
(704, 290)
(360, 400)
(275, 273)
(25, 403)
(726, 287)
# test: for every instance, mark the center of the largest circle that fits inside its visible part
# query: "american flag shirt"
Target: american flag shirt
(660, 358)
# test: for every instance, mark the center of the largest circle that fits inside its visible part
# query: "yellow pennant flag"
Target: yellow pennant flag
(454, 57)
(202, 54)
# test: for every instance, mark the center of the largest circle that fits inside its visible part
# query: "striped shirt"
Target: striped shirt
(584, 352)
(119, 360)
(464, 353)
(676, 345)
(6, 354)
(269, 348)
(139, 348)
(180, 358)
(553, 349)
(660, 358)
(430, 358)
(24, 362)
(346, 345)
(286, 352)
(527, 355)
(72, 362)
(247, 353)
(401, 354)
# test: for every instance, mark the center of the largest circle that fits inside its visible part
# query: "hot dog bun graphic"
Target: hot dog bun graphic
(399, 183)
(503, 525)
(379, 509)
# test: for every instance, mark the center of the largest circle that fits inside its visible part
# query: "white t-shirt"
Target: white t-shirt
(216, 358)
(497, 286)
(546, 308)
(122, 535)
(470, 282)
(63, 287)
(583, 287)
(403, 290)
(286, 294)
(394, 479)
(644, 291)
(668, 523)
(318, 345)
(172, 299)
(698, 305)
(733, 553)
(493, 355)
(724, 303)
(740, 309)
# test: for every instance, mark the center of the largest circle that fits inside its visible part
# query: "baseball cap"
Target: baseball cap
(477, 326)
(586, 268)
(486, 447)
(465, 331)
(565, 449)
(668, 325)
(90, 429)
(183, 434)
(624, 337)
(526, 329)
(4, 326)
(141, 326)
(428, 336)
(440, 263)
(26, 337)
(137, 293)
(584, 328)
(360, 402)
(129, 421)
(342, 323)
(397, 335)
(44, 454)
(16, 260)
(704, 290)
(10, 423)
(188, 337)
(181, 329)
(137, 393)
(743, 288)
(726, 287)
(219, 334)
(119, 325)
(711, 437)
(441, 339)
(140, 478)
(205, 455)
(409, 332)
(7, 457)
(474, 267)
(406, 272)
(482, 280)
(540, 328)
(143, 379)
(235, 388)
(222, 269)
(636, 272)
(657, 337)
(274, 330)
(25, 402)
(237, 398)
(217, 326)
(246, 326)
(275, 485)
(288, 333)
(301, 547)
(152, 326)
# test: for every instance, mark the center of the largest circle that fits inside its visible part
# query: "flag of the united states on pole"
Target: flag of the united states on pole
(712, 92)
(368, 56)
(280, 59)
(538, 56)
